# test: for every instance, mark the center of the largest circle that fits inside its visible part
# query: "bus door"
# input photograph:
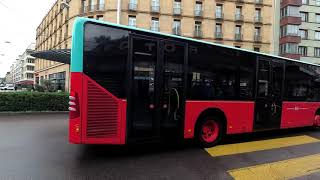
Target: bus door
(143, 91)
(172, 96)
(270, 79)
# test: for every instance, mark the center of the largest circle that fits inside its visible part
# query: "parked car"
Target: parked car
(8, 87)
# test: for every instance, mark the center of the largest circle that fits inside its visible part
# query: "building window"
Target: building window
(290, 11)
(289, 30)
(317, 18)
(219, 11)
(176, 29)
(155, 5)
(257, 34)
(256, 49)
(100, 17)
(30, 76)
(304, 16)
(238, 13)
(58, 80)
(218, 31)
(155, 24)
(177, 7)
(305, 1)
(91, 17)
(290, 48)
(317, 2)
(237, 46)
(197, 29)
(30, 68)
(101, 5)
(303, 33)
(317, 35)
(257, 15)
(303, 51)
(132, 21)
(218, 28)
(198, 9)
(317, 52)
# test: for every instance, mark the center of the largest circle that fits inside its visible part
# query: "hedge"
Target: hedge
(33, 101)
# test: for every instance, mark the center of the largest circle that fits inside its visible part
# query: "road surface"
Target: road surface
(35, 147)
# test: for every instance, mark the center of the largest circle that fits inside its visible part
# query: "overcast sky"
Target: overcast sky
(19, 20)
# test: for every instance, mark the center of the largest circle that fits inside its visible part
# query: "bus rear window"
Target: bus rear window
(105, 57)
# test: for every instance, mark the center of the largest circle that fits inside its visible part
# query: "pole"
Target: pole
(118, 11)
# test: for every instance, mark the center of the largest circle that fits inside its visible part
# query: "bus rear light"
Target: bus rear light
(77, 128)
(72, 109)
(72, 98)
(73, 105)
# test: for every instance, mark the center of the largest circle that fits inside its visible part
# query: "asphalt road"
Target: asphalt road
(35, 147)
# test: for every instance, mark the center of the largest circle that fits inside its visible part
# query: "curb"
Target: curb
(33, 112)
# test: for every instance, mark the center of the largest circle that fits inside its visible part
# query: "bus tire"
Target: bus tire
(209, 131)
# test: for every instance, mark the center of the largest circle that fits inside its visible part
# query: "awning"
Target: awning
(58, 55)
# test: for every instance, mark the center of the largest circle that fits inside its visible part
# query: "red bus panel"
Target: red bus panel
(239, 115)
(75, 120)
(103, 116)
(298, 114)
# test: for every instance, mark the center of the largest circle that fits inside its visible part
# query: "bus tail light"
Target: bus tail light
(74, 110)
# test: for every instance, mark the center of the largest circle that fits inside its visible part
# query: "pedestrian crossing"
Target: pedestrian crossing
(286, 169)
(274, 170)
(253, 146)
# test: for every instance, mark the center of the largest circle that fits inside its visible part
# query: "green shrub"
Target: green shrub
(33, 101)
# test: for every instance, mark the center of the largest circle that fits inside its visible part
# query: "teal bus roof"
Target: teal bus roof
(83, 20)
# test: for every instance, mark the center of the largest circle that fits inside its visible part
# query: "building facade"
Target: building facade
(8, 78)
(309, 47)
(22, 70)
(241, 23)
(299, 32)
(27, 66)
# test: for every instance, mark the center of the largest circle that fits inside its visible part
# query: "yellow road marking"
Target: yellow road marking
(245, 147)
(286, 169)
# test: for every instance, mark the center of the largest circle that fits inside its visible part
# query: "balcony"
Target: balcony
(218, 35)
(219, 16)
(155, 28)
(100, 7)
(258, 19)
(177, 11)
(239, 17)
(257, 38)
(258, 2)
(197, 33)
(238, 37)
(198, 13)
(155, 9)
(133, 6)
(176, 31)
(92, 8)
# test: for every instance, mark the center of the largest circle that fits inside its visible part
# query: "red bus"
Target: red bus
(134, 85)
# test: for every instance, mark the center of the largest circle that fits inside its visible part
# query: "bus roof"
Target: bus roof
(84, 20)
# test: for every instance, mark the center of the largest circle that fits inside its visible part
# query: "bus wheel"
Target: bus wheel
(209, 131)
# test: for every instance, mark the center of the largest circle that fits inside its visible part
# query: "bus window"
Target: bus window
(105, 57)
(212, 74)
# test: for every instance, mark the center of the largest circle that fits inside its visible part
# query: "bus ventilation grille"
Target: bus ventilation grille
(102, 121)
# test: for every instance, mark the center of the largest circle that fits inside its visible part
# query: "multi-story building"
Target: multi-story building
(8, 78)
(309, 30)
(27, 66)
(299, 30)
(22, 70)
(16, 71)
(240, 23)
